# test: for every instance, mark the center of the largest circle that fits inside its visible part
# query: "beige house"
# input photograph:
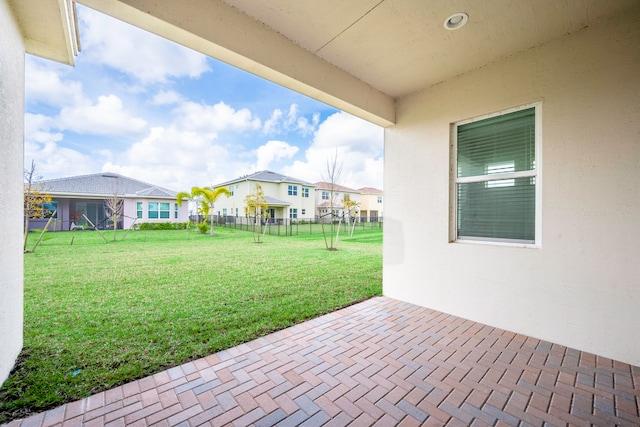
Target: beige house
(286, 196)
(326, 206)
(371, 204)
(534, 230)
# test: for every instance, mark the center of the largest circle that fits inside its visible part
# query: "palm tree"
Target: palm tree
(207, 196)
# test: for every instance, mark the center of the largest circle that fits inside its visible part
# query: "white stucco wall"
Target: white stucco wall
(581, 287)
(11, 165)
(131, 209)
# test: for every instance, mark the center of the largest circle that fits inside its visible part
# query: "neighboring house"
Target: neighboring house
(325, 205)
(557, 257)
(371, 204)
(77, 198)
(286, 196)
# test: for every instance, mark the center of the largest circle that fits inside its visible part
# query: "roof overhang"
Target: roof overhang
(49, 28)
(60, 195)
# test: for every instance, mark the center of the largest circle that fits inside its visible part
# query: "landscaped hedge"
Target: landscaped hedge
(163, 226)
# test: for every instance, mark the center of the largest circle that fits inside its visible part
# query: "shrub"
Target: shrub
(203, 227)
(163, 226)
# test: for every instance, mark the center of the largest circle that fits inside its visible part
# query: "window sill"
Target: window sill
(497, 243)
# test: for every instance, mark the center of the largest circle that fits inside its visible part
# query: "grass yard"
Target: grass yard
(98, 315)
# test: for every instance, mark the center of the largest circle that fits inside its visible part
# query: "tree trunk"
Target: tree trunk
(26, 231)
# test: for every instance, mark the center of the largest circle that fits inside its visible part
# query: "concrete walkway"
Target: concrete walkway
(381, 362)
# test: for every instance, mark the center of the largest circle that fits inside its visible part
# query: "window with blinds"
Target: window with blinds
(495, 177)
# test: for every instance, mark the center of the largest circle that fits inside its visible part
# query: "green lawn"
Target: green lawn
(98, 315)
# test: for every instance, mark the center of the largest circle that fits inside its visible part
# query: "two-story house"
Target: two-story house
(286, 196)
(330, 199)
(371, 204)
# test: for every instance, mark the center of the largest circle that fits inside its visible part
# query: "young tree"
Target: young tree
(114, 204)
(255, 205)
(206, 196)
(333, 177)
(351, 207)
(35, 198)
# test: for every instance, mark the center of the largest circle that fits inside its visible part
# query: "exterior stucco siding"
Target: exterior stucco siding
(11, 165)
(581, 286)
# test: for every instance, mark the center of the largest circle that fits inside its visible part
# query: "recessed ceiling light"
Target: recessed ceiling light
(455, 21)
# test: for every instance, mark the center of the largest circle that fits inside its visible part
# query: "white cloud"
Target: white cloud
(177, 159)
(146, 57)
(279, 123)
(43, 147)
(212, 119)
(360, 150)
(167, 97)
(271, 124)
(106, 117)
(43, 84)
(273, 150)
(305, 127)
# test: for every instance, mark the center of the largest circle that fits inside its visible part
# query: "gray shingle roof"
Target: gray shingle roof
(105, 184)
(272, 201)
(266, 176)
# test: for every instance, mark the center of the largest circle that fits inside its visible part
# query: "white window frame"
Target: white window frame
(535, 173)
(292, 190)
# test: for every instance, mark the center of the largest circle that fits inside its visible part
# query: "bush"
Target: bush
(163, 226)
(203, 227)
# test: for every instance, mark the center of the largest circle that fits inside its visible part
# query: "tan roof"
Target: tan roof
(336, 187)
(370, 190)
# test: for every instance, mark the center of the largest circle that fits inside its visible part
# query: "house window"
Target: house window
(175, 211)
(325, 195)
(165, 210)
(139, 210)
(224, 212)
(293, 213)
(158, 210)
(495, 191)
(379, 199)
(305, 192)
(152, 210)
(293, 190)
(303, 212)
(231, 191)
(50, 209)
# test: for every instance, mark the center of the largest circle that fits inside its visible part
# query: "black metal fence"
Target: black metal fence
(289, 226)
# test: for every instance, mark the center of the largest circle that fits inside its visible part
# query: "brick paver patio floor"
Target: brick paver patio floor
(381, 362)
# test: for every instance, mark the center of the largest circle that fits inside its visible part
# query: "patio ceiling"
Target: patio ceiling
(400, 46)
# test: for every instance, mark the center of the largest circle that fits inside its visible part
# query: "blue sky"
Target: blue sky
(150, 109)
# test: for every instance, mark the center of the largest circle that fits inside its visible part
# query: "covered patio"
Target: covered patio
(380, 362)
(572, 67)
